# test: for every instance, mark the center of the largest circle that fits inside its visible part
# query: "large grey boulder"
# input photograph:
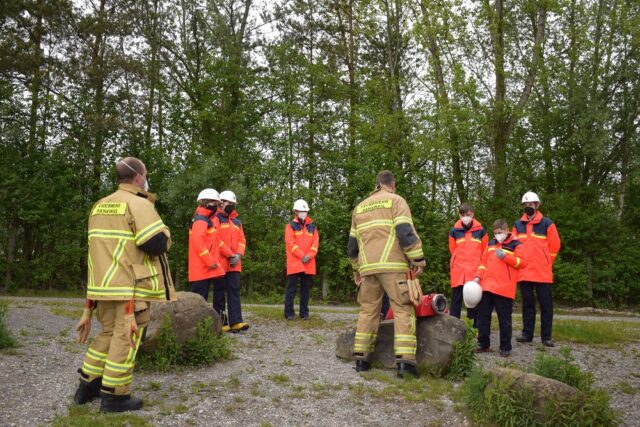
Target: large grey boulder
(435, 335)
(185, 313)
(544, 390)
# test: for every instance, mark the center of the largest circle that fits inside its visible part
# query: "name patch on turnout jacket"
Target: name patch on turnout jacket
(379, 204)
(109, 209)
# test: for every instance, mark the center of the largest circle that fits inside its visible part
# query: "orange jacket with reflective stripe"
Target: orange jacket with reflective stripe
(203, 246)
(499, 276)
(542, 243)
(232, 237)
(301, 238)
(466, 246)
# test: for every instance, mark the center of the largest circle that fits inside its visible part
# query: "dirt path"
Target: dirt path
(281, 374)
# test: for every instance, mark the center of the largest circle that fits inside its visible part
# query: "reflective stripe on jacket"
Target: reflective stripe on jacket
(301, 239)
(117, 268)
(541, 243)
(382, 237)
(466, 246)
(232, 237)
(499, 276)
(204, 246)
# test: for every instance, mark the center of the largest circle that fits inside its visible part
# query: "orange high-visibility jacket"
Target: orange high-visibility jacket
(204, 246)
(301, 238)
(499, 276)
(232, 237)
(466, 247)
(541, 243)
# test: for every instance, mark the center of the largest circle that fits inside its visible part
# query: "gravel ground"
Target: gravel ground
(280, 375)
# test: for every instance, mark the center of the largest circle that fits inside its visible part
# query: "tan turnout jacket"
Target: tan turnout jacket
(117, 268)
(382, 237)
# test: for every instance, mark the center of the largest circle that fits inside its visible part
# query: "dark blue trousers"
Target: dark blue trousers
(456, 306)
(228, 287)
(304, 281)
(545, 298)
(201, 287)
(504, 310)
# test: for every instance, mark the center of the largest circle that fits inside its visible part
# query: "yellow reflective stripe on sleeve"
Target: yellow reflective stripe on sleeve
(314, 249)
(492, 248)
(111, 234)
(92, 370)
(204, 252)
(374, 223)
(402, 220)
(476, 240)
(461, 240)
(242, 244)
(211, 230)
(517, 262)
(481, 267)
(96, 355)
(117, 253)
(539, 236)
(507, 251)
(553, 254)
(294, 248)
(115, 381)
(221, 244)
(416, 253)
(149, 230)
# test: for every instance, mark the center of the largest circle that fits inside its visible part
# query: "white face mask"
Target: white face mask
(145, 186)
(302, 215)
(466, 220)
(500, 237)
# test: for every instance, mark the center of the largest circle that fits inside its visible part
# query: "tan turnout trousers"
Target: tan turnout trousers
(110, 355)
(370, 298)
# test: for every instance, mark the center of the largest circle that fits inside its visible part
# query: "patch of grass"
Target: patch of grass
(497, 401)
(79, 416)
(233, 382)
(463, 357)
(6, 340)
(410, 389)
(204, 349)
(288, 362)
(64, 332)
(297, 392)
(280, 378)
(276, 314)
(318, 339)
(596, 333)
(153, 385)
(71, 313)
(626, 388)
(180, 408)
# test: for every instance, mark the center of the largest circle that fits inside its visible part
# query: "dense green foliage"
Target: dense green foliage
(465, 101)
(204, 349)
(6, 340)
(494, 401)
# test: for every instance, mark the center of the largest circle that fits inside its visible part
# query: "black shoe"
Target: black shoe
(87, 391)
(362, 365)
(406, 368)
(522, 338)
(111, 403)
(548, 343)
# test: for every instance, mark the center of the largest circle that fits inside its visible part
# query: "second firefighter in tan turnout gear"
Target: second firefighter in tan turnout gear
(127, 269)
(383, 248)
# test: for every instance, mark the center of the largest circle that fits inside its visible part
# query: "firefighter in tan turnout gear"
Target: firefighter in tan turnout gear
(383, 248)
(127, 269)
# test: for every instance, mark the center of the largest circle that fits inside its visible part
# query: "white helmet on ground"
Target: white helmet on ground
(208, 194)
(300, 206)
(530, 196)
(229, 196)
(471, 294)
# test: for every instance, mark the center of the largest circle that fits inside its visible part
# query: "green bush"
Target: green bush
(6, 340)
(463, 357)
(563, 370)
(203, 350)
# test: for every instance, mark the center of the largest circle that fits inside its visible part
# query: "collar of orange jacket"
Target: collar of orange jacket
(134, 189)
(537, 217)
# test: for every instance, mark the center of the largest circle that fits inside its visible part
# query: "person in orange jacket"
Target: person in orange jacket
(467, 241)
(497, 275)
(302, 243)
(542, 244)
(232, 247)
(204, 263)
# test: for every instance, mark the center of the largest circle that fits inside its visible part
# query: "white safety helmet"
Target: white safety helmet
(471, 294)
(300, 206)
(208, 194)
(229, 196)
(530, 196)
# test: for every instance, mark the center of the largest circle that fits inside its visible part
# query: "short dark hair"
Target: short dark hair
(385, 177)
(128, 168)
(500, 224)
(464, 208)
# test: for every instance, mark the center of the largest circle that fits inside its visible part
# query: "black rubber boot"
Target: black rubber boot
(362, 365)
(87, 390)
(112, 403)
(406, 368)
